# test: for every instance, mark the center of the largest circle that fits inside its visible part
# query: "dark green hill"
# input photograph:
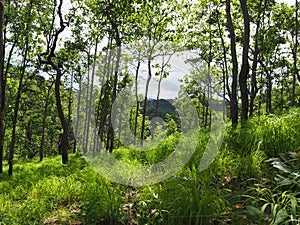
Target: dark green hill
(159, 108)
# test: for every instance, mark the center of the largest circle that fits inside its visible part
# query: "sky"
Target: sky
(289, 2)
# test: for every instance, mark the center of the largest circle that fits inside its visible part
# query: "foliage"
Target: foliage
(50, 193)
(281, 200)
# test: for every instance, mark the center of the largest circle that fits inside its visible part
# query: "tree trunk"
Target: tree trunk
(225, 66)
(41, 150)
(64, 144)
(233, 102)
(294, 50)
(2, 85)
(90, 103)
(254, 89)
(269, 93)
(245, 62)
(71, 134)
(18, 97)
(145, 99)
(79, 101)
(114, 95)
(136, 100)
(159, 83)
(85, 127)
(16, 110)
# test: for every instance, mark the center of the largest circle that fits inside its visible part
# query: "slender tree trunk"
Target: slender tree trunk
(159, 83)
(114, 95)
(2, 85)
(161, 77)
(103, 105)
(18, 97)
(207, 111)
(204, 107)
(79, 101)
(70, 100)
(85, 127)
(41, 150)
(225, 66)
(136, 100)
(117, 37)
(65, 135)
(146, 99)
(90, 103)
(296, 71)
(64, 144)
(254, 90)
(72, 135)
(269, 93)
(233, 102)
(244, 73)
(294, 50)
(16, 110)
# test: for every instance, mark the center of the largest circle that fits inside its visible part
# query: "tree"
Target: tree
(2, 85)
(245, 63)
(28, 18)
(41, 149)
(233, 102)
(294, 52)
(155, 26)
(257, 38)
(49, 59)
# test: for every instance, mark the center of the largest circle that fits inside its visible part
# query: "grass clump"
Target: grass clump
(62, 194)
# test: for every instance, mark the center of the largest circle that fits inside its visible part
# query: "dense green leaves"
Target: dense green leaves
(54, 53)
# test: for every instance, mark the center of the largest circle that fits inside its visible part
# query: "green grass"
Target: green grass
(51, 193)
(48, 193)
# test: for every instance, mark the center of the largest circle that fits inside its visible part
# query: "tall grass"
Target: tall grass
(48, 193)
(51, 193)
(269, 133)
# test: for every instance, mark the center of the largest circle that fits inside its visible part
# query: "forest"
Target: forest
(135, 112)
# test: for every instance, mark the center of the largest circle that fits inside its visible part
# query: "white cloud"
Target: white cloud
(288, 2)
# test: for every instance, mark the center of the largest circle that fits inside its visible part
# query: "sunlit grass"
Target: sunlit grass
(52, 193)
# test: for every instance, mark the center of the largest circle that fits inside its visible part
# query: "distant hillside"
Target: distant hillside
(158, 108)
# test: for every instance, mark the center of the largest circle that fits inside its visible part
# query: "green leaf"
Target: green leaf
(253, 213)
(282, 217)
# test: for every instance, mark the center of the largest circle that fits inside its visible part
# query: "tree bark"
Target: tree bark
(64, 144)
(294, 50)
(269, 93)
(2, 85)
(114, 94)
(245, 62)
(86, 115)
(50, 54)
(79, 100)
(19, 93)
(254, 89)
(233, 102)
(90, 104)
(117, 37)
(16, 110)
(146, 99)
(224, 65)
(41, 150)
(136, 99)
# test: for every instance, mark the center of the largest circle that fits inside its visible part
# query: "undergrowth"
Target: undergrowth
(230, 191)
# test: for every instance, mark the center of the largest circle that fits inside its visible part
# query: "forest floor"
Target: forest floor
(251, 181)
(50, 193)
